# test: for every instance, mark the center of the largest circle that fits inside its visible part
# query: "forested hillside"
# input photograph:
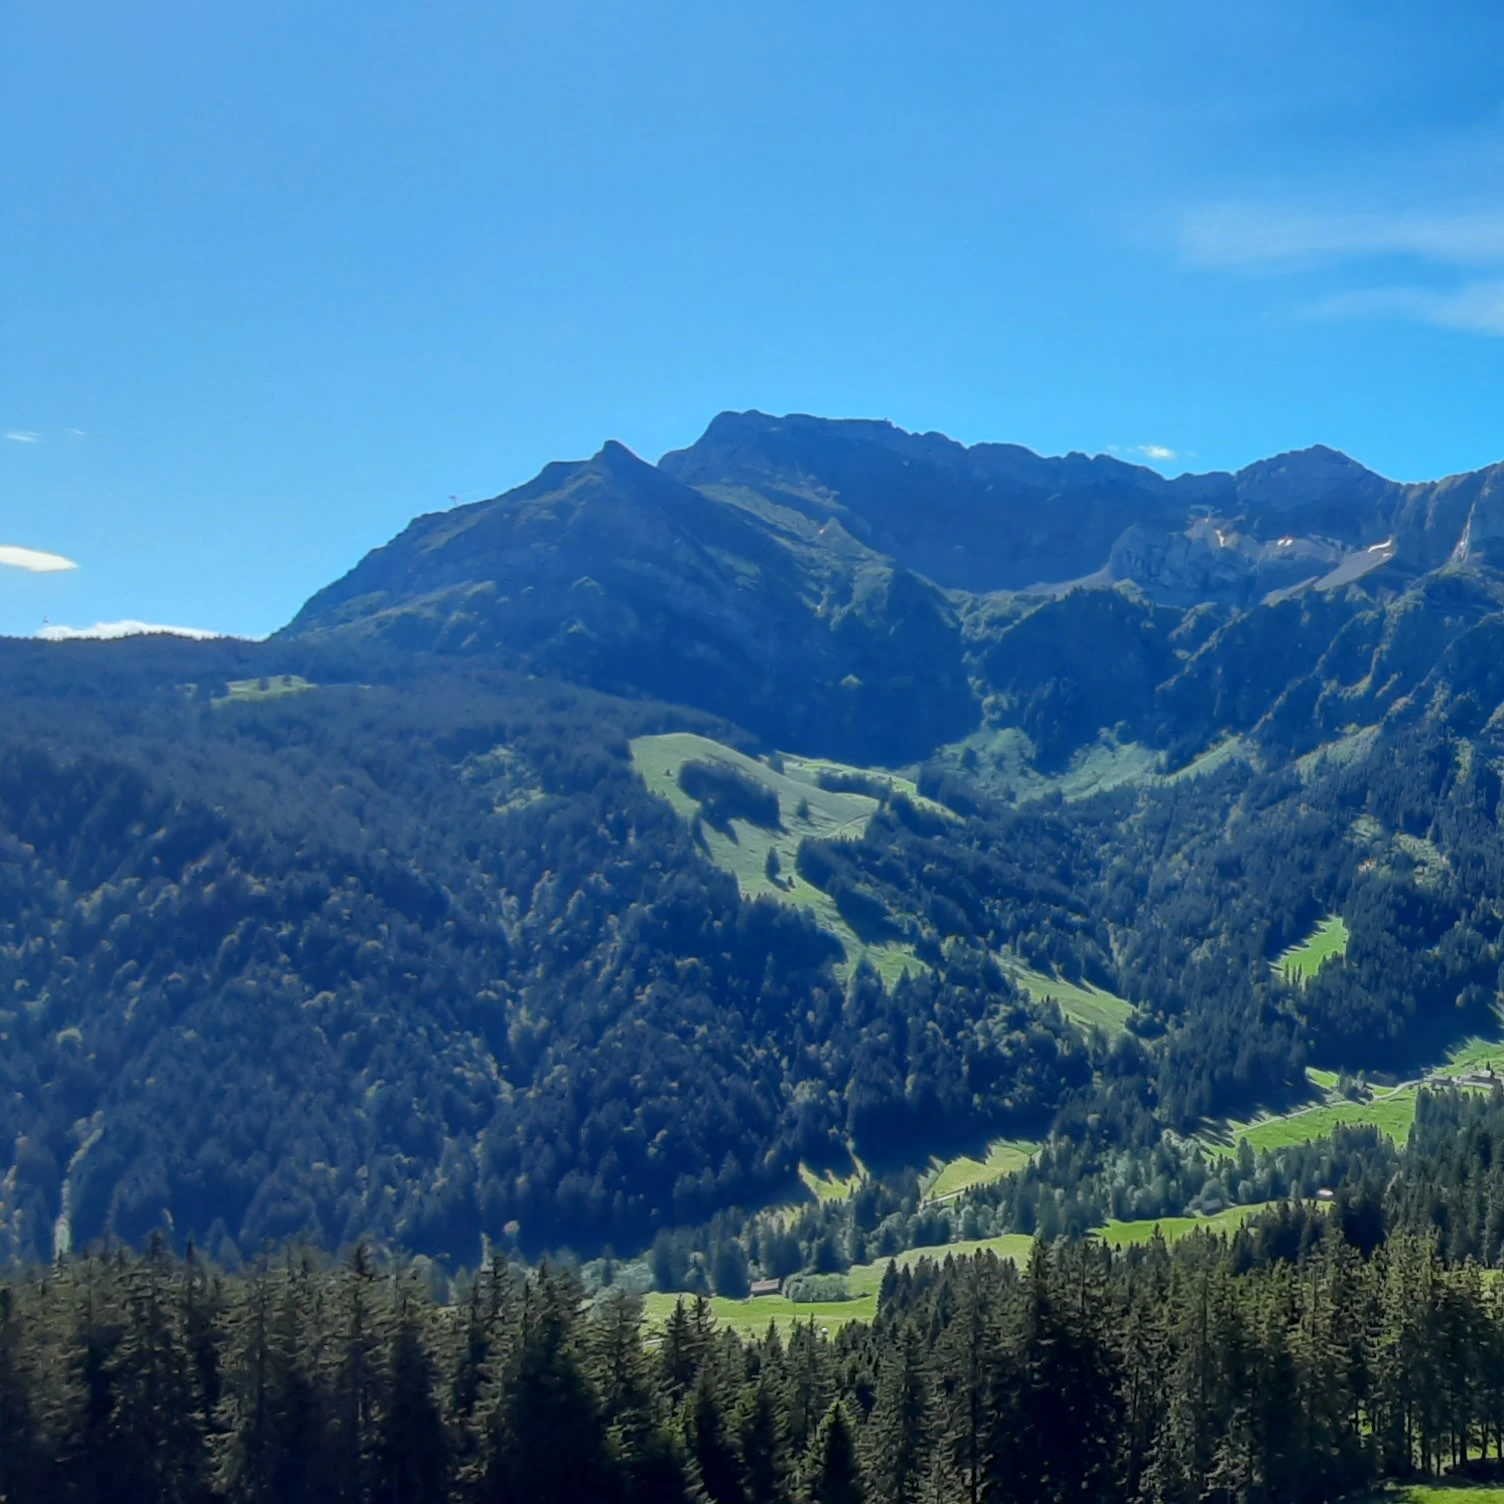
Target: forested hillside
(424, 964)
(393, 927)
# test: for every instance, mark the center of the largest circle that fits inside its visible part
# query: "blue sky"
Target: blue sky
(275, 278)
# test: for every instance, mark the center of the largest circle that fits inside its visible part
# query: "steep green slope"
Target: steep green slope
(427, 963)
(1327, 940)
(1090, 1007)
(807, 811)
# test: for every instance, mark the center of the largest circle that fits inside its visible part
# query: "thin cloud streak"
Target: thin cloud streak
(1155, 453)
(1474, 308)
(1458, 281)
(1231, 235)
(33, 560)
(23, 436)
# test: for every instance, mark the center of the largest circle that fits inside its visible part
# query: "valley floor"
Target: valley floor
(755, 1314)
(1441, 1493)
(1475, 1063)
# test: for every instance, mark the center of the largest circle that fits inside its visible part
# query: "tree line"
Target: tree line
(1242, 1369)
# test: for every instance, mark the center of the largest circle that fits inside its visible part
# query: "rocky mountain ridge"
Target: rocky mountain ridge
(845, 587)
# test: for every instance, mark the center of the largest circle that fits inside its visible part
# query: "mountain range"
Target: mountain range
(844, 587)
(592, 861)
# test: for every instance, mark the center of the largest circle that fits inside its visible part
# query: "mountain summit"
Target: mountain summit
(848, 588)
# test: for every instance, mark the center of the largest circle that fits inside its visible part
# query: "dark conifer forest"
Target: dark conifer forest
(1317, 1352)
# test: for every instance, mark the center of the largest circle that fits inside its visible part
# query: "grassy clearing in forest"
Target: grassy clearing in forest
(1440, 1493)
(1001, 758)
(1086, 1006)
(804, 809)
(807, 810)
(1328, 939)
(1391, 1112)
(811, 769)
(865, 1280)
(752, 1317)
(1122, 1234)
(828, 1186)
(1209, 761)
(241, 691)
(1480, 1052)
(1003, 1157)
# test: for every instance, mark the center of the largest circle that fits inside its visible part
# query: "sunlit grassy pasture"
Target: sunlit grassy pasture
(1086, 1006)
(1392, 1111)
(242, 691)
(1440, 1493)
(805, 809)
(828, 1186)
(951, 1177)
(1124, 1234)
(864, 1280)
(1328, 939)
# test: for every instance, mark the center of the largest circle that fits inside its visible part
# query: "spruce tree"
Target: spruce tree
(412, 1449)
(834, 1474)
(964, 1351)
(93, 1463)
(897, 1435)
(642, 1448)
(21, 1453)
(761, 1428)
(356, 1375)
(547, 1440)
(1056, 1406)
(715, 1466)
(807, 1383)
(157, 1421)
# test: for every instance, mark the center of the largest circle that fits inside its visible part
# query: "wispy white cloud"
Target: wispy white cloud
(33, 560)
(1410, 230)
(1475, 307)
(77, 433)
(1156, 453)
(23, 436)
(1271, 234)
(108, 631)
(1443, 248)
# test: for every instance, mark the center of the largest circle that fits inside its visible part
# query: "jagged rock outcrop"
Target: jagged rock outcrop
(849, 588)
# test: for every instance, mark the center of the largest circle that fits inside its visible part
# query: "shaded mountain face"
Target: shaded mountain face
(849, 589)
(986, 518)
(998, 517)
(611, 572)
